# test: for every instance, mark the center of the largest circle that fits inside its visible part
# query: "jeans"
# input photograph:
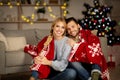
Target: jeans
(82, 72)
(67, 74)
(35, 74)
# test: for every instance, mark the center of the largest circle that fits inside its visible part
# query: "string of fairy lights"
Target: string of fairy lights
(36, 7)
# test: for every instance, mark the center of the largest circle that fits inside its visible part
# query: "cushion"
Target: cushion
(30, 36)
(3, 38)
(15, 43)
(28, 33)
(41, 33)
(15, 58)
(12, 33)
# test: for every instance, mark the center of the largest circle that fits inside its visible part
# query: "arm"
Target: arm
(61, 63)
(31, 50)
(34, 50)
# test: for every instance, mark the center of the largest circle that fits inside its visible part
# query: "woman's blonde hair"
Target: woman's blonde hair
(60, 19)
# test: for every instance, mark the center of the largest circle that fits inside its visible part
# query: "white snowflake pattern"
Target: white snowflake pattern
(95, 49)
(106, 74)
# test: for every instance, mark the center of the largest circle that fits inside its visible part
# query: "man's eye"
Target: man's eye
(63, 27)
(72, 26)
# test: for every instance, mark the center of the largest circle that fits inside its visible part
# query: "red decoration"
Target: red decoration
(111, 61)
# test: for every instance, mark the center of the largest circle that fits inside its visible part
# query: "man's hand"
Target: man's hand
(71, 42)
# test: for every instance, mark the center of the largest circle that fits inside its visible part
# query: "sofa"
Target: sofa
(12, 42)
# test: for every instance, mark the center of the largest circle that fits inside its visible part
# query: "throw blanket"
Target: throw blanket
(88, 50)
(35, 51)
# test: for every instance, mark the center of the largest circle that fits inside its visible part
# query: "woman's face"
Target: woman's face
(59, 30)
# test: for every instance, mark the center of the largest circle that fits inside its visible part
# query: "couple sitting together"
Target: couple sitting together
(65, 52)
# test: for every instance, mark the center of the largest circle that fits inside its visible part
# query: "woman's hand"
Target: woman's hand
(45, 61)
(71, 42)
(37, 60)
(42, 60)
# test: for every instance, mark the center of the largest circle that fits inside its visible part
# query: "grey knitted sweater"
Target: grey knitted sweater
(61, 51)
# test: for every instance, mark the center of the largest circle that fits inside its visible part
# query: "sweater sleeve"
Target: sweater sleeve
(62, 63)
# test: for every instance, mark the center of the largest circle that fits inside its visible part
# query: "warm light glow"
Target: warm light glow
(49, 9)
(37, 4)
(33, 16)
(22, 16)
(17, 3)
(31, 23)
(8, 3)
(64, 14)
(27, 20)
(11, 6)
(103, 33)
(24, 19)
(1, 3)
(44, 4)
(36, 7)
(64, 6)
(51, 15)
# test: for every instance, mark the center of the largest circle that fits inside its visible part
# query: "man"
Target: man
(86, 49)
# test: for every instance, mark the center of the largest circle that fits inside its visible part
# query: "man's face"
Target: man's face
(73, 28)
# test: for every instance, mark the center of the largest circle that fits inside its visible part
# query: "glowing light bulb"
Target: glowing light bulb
(27, 20)
(31, 23)
(17, 3)
(8, 3)
(36, 7)
(44, 3)
(1, 3)
(11, 6)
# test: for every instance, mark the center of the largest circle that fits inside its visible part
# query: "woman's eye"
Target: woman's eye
(57, 25)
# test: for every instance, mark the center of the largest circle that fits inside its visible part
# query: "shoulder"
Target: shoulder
(66, 38)
(66, 41)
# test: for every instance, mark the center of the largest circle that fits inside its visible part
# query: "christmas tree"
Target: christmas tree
(97, 17)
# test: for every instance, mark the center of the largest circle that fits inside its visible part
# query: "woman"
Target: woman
(55, 50)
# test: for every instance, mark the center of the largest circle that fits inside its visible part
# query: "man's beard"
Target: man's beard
(76, 37)
(71, 36)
